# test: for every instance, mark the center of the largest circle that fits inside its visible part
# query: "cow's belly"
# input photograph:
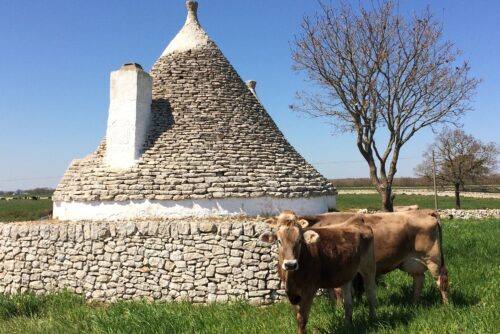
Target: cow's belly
(339, 278)
(413, 265)
(391, 258)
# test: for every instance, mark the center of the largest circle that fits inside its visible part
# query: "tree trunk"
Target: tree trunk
(457, 195)
(383, 185)
(387, 198)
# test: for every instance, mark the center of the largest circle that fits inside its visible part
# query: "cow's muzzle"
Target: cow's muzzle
(290, 265)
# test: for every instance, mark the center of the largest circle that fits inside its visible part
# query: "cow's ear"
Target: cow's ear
(268, 237)
(303, 223)
(273, 221)
(311, 237)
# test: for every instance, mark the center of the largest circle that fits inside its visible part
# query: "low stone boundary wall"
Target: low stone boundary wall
(470, 214)
(423, 192)
(457, 213)
(191, 260)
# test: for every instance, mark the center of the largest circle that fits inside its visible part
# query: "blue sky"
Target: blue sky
(56, 57)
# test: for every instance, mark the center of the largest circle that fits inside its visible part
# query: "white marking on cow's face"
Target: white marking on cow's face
(290, 265)
(289, 243)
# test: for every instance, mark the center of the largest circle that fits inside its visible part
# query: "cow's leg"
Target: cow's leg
(369, 285)
(336, 295)
(418, 282)
(302, 310)
(416, 268)
(368, 271)
(440, 275)
(347, 295)
(358, 287)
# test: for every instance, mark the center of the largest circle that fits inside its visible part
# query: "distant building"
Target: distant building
(189, 139)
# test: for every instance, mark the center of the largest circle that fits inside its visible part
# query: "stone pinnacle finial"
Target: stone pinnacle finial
(191, 36)
(251, 85)
(192, 8)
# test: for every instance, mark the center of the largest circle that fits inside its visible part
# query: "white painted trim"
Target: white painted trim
(145, 209)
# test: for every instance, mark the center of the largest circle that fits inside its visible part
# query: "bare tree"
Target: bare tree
(460, 158)
(381, 77)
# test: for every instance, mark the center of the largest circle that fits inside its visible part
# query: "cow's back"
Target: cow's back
(397, 236)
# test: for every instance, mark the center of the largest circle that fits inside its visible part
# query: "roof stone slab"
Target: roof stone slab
(210, 137)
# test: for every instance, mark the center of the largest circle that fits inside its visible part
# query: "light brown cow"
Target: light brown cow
(314, 258)
(402, 208)
(410, 241)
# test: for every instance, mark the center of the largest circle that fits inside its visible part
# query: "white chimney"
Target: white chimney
(129, 115)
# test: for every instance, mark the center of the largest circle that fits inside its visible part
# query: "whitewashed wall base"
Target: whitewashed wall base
(145, 209)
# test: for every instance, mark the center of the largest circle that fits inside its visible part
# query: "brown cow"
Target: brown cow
(410, 241)
(310, 259)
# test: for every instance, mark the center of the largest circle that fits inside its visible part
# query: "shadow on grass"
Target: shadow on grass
(432, 297)
(398, 310)
(461, 300)
(363, 324)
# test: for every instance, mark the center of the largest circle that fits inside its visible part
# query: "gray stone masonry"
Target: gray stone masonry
(198, 261)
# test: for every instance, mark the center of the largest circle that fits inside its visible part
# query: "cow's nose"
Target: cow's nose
(290, 265)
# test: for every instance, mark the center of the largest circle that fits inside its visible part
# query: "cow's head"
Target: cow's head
(290, 236)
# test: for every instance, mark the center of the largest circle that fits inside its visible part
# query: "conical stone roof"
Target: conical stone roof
(210, 138)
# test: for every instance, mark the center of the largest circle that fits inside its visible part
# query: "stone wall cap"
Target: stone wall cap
(131, 66)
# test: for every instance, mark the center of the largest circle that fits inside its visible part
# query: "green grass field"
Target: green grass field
(24, 209)
(372, 201)
(472, 256)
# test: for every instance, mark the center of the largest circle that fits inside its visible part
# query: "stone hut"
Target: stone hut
(190, 138)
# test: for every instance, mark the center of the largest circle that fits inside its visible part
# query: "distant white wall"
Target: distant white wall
(145, 209)
(129, 115)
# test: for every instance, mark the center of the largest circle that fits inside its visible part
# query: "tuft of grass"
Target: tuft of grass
(372, 201)
(471, 253)
(21, 305)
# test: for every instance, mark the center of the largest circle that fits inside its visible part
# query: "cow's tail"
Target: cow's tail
(443, 272)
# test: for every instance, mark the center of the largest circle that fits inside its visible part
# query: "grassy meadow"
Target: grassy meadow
(472, 255)
(24, 209)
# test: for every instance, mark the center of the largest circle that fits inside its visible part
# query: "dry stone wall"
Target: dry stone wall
(470, 214)
(198, 261)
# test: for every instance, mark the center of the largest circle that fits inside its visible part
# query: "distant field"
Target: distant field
(372, 201)
(471, 255)
(24, 209)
